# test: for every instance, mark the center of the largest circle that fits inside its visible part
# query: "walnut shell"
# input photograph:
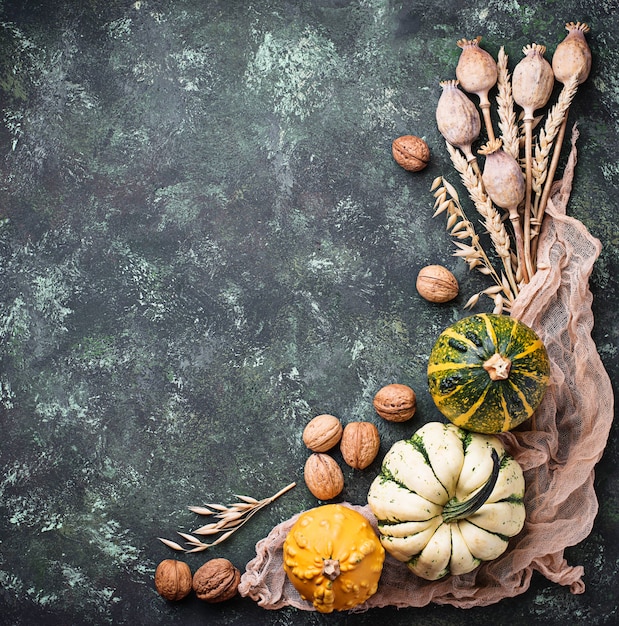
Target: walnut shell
(395, 402)
(322, 433)
(216, 581)
(173, 579)
(436, 283)
(323, 476)
(360, 444)
(410, 152)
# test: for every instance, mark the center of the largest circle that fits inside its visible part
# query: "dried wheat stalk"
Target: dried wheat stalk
(505, 108)
(542, 176)
(230, 519)
(548, 134)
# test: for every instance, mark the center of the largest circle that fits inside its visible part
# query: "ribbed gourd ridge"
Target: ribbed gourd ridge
(481, 510)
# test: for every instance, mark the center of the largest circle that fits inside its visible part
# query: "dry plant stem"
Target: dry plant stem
(460, 228)
(485, 111)
(552, 170)
(526, 247)
(514, 218)
(475, 165)
(230, 519)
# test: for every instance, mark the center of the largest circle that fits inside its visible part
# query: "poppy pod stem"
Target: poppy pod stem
(552, 170)
(528, 149)
(532, 86)
(485, 111)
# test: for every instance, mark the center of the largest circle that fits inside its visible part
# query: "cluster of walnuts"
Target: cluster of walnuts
(359, 441)
(215, 581)
(218, 579)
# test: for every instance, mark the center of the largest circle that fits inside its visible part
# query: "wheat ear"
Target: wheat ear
(554, 128)
(505, 106)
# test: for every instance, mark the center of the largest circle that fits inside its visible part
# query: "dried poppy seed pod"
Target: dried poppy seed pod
(478, 73)
(457, 118)
(533, 80)
(505, 185)
(532, 85)
(573, 55)
(502, 176)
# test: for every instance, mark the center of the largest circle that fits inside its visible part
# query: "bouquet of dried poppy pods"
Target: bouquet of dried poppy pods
(512, 188)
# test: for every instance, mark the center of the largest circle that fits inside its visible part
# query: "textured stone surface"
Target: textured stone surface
(205, 242)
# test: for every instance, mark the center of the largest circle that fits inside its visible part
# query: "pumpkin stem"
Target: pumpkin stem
(455, 510)
(331, 568)
(498, 367)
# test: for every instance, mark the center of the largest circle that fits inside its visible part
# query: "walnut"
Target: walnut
(322, 433)
(173, 579)
(411, 153)
(216, 581)
(323, 476)
(437, 284)
(360, 444)
(395, 402)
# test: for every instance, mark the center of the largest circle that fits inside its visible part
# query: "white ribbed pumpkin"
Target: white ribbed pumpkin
(447, 499)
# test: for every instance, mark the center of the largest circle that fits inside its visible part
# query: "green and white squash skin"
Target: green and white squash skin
(425, 479)
(480, 397)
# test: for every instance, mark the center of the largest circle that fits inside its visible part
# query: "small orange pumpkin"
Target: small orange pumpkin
(333, 557)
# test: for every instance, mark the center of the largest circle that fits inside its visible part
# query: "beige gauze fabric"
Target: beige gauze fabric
(557, 449)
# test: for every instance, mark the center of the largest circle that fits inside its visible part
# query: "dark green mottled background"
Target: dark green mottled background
(204, 243)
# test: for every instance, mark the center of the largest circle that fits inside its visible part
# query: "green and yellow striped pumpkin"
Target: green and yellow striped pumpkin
(488, 373)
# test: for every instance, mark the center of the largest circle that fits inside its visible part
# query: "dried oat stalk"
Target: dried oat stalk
(469, 246)
(492, 220)
(229, 519)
